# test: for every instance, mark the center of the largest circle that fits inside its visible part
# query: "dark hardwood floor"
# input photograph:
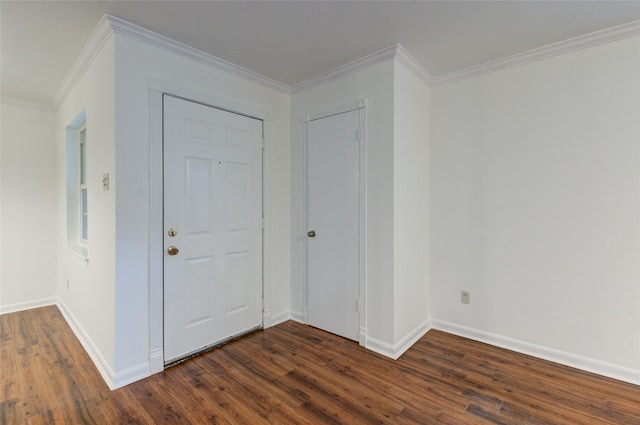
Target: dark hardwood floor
(295, 374)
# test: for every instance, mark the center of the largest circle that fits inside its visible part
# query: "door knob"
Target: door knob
(172, 250)
(311, 233)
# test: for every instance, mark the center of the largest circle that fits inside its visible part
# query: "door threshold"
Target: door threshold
(211, 347)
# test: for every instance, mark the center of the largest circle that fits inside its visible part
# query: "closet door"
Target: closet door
(333, 219)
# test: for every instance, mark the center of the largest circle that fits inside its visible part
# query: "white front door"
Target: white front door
(212, 226)
(333, 223)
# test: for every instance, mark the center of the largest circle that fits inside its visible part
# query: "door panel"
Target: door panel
(213, 198)
(333, 212)
(199, 195)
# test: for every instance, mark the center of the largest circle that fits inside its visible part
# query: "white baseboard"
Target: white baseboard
(396, 350)
(28, 305)
(276, 319)
(568, 359)
(380, 347)
(128, 376)
(298, 317)
(411, 338)
(113, 379)
(88, 345)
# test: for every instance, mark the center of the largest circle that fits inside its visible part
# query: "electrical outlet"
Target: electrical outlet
(465, 297)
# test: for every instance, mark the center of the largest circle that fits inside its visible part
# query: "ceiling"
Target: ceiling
(291, 41)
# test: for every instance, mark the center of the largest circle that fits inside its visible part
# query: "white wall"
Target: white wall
(397, 192)
(536, 205)
(89, 299)
(374, 83)
(29, 207)
(521, 186)
(139, 248)
(411, 171)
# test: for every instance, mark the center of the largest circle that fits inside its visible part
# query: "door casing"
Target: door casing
(157, 88)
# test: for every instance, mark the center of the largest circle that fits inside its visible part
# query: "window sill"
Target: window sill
(80, 251)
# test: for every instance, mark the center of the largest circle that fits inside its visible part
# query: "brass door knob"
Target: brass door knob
(311, 233)
(172, 250)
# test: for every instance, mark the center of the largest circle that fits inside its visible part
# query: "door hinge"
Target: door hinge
(262, 143)
(262, 223)
(357, 135)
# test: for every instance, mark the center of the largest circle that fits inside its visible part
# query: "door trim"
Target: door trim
(360, 106)
(157, 89)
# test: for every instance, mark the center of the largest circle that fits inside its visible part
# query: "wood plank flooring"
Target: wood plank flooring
(295, 374)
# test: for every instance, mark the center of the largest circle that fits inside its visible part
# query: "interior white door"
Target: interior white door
(333, 220)
(213, 218)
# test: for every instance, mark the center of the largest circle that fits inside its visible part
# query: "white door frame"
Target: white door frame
(360, 106)
(157, 88)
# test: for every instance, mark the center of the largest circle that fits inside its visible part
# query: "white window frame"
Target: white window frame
(82, 187)
(77, 178)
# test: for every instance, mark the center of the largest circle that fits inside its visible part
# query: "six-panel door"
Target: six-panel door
(213, 209)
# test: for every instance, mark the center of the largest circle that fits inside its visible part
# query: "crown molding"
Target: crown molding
(128, 29)
(109, 25)
(412, 64)
(396, 52)
(97, 39)
(593, 39)
(348, 68)
(7, 100)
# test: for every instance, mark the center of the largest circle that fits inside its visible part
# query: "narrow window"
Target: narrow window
(82, 141)
(77, 186)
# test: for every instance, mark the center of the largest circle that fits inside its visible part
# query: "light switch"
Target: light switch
(105, 181)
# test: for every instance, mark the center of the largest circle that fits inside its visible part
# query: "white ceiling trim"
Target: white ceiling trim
(7, 100)
(411, 63)
(92, 47)
(123, 27)
(593, 39)
(110, 24)
(348, 68)
(396, 52)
